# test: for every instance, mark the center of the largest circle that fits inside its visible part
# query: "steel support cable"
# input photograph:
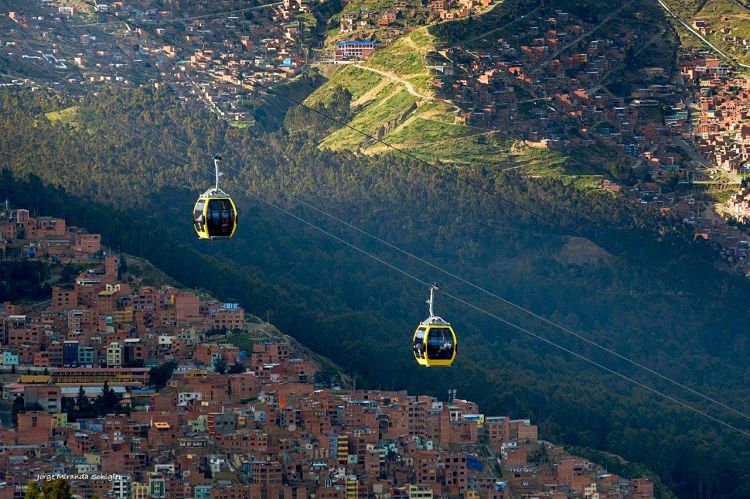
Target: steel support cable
(436, 267)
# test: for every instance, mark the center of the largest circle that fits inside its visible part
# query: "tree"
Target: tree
(159, 376)
(123, 268)
(68, 407)
(54, 489)
(23, 281)
(83, 407)
(340, 102)
(207, 473)
(327, 377)
(108, 402)
(18, 406)
(220, 365)
(32, 491)
(237, 368)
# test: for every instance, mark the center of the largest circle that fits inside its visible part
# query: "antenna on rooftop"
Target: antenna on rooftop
(451, 395)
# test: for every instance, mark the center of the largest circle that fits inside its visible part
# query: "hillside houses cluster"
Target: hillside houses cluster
(722, 130)
(233, 55)
(46, 238)
(99, 320)
(43, 39)
(548, 79)
(231, 49)
(739, 205)
(102, 322)
(546, 470)
(243, 435)
(388, 24)
(715, 119)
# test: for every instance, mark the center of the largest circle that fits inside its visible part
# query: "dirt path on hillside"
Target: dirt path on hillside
(409, 86)
(370, 94)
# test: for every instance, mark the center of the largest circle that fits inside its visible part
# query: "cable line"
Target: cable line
(436, 267)
(504, 321)
(214, 14)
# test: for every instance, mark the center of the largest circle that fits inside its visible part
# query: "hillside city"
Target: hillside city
(119, 381)
(554, 77)
(136, 390)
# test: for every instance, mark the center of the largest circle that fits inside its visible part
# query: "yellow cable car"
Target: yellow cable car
(434, 341)
(214, 214)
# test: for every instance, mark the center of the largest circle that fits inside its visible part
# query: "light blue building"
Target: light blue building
(10, 359)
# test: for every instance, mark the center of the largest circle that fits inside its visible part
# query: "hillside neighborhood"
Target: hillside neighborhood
(224, 51)
(577, 171)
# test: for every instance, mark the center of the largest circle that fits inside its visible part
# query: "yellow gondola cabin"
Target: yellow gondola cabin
(215, 214)
(434, 342)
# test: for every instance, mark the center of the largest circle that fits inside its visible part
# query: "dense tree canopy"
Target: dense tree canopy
(53, 489)
(159, 376)
(22, 281)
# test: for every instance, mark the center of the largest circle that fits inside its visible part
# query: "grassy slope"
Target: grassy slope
(385, 108)
(367, 5)
(66, 115)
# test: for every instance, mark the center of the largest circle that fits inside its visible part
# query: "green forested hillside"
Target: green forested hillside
(136, 185)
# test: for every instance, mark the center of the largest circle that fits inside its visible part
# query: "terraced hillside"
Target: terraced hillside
(394, 99)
